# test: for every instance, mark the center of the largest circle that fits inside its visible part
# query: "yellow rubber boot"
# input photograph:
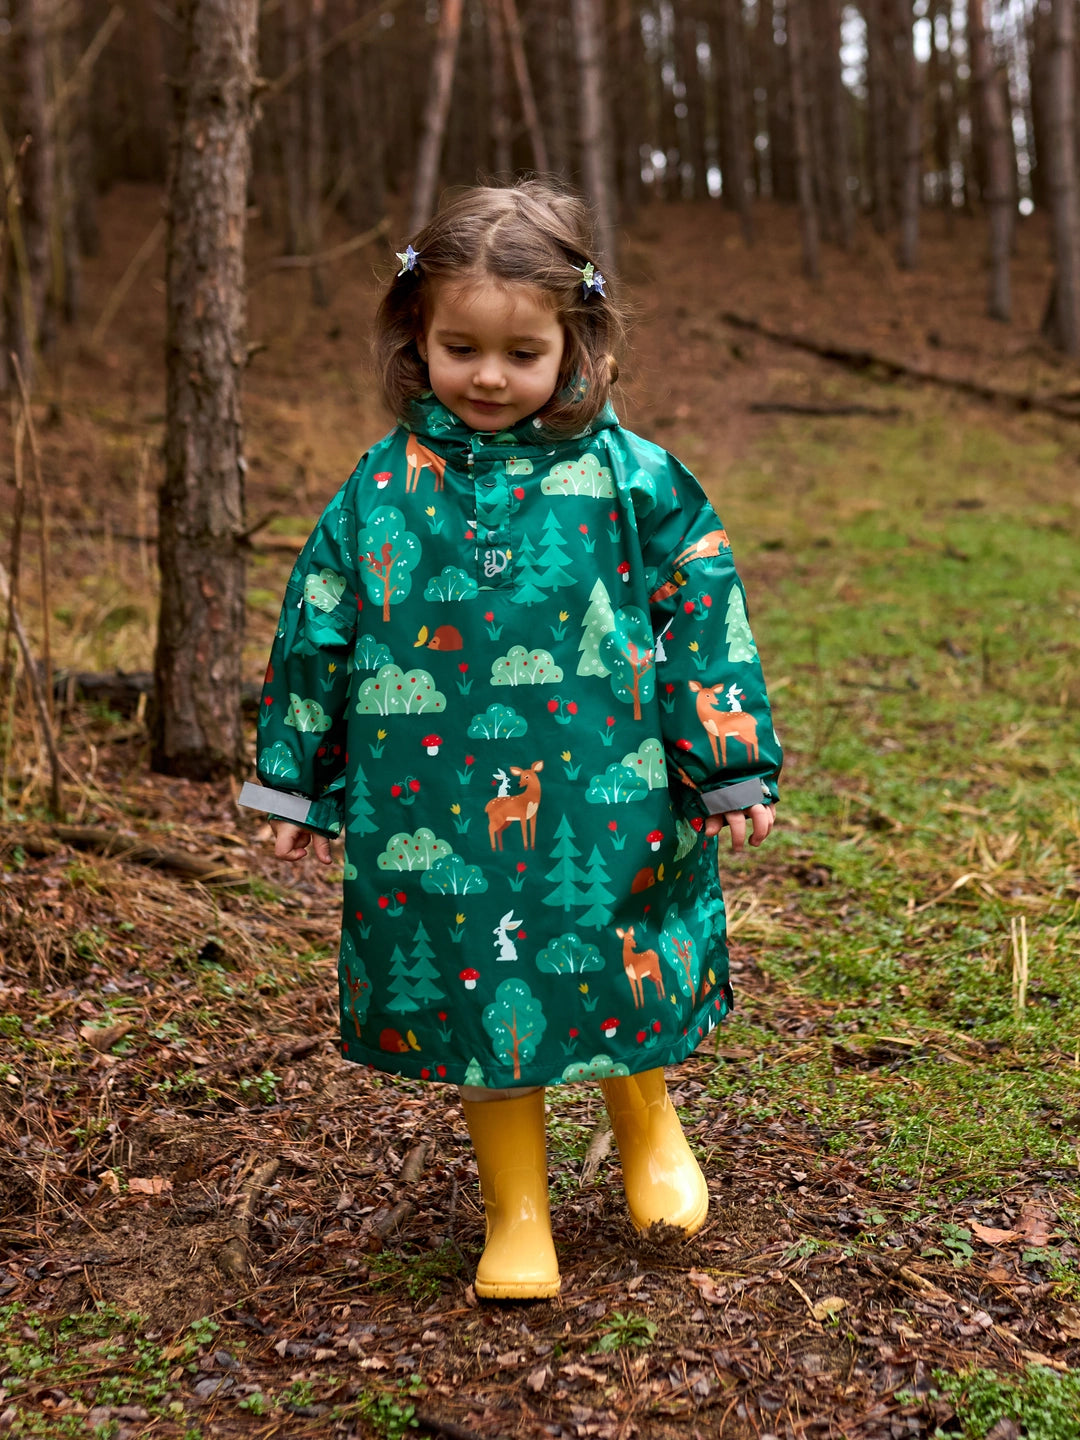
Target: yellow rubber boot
(519, 1260)
(662, 1179)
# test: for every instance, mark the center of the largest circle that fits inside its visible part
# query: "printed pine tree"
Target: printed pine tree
(740, 642)
(423, 974)
(527, 574)
(400, 984)
(553, 557)
(598, 897)
(598, 621)
(360, 809)
(566, 876)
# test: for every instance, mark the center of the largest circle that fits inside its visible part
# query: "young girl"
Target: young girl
(514, 668)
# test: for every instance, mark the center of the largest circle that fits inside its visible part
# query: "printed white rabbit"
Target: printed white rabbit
(506, 947)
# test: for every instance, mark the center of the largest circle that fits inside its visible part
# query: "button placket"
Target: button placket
(494, 556)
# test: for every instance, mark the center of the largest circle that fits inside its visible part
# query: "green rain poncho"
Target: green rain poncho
(517, 673)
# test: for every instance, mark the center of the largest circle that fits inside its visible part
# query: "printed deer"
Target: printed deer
(724, 725)
(419, 457)
(710, 544)
(640, 965)
(505, 809)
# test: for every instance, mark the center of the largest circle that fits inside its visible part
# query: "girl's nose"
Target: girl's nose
(489, 372)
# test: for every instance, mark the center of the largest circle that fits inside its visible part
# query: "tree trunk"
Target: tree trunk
(290, 116)
(315, 169)
(911, 90)
(692, 129)
(735, 146)
(878, 116)
(30, 241)
(502, 161)
(435, 112)
(529, 112)
(196, 728)
(627, 100)
(838, 193)
(995, 176)
(782, 169)
(367, 194)
(800, 124)
(595, 131)
(1062, 324)
(553, 58)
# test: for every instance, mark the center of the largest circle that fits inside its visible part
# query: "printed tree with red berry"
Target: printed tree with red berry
(629, 653)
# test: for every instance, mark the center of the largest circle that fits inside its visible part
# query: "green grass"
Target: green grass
(1045, 1403)
(928, 659)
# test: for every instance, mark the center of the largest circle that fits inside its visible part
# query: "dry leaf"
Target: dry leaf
(989, 1236)
(710, 1292)
(539, 1378)
(104, 1037)
(155, 1185)
(831, 1305)
(1034, 1358)
(1068, 1320)
(111, 1181)
(1034, 1225)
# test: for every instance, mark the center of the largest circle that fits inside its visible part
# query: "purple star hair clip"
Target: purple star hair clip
(591, 279)
(408, 258)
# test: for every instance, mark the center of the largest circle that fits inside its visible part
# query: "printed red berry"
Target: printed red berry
(706, 600)
(399, 896)
(425, 1074)
(395, 791)
(553, 705)
(384, 901)
(688, 606)
(656, 1027)
(519, 493)
(440, 1070)
(640, 1037)
(414, 786)
(571, 707)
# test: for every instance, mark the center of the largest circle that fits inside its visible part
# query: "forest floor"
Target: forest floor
(211, 1225)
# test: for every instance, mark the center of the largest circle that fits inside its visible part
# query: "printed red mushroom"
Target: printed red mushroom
(470, 978)
(683, 745)
(609, 1027)
(431, 743)
(654, 838)
(624, 570)
(383, 478)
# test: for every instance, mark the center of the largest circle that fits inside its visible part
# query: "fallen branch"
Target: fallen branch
(858, 358)
(411, 1168)
(121, 847)
(123, 692)
(794, 407)
(233, 1258)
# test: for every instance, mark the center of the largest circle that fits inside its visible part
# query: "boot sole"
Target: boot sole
(690, 1226)
(517, 1289)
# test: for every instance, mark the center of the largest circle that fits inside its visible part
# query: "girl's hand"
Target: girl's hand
(761, 817)
(291, 843)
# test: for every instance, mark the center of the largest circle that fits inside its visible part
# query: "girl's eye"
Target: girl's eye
(523, 355)
(459, 349)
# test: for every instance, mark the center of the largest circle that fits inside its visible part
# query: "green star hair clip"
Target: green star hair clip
(591, 279)
(408, 258)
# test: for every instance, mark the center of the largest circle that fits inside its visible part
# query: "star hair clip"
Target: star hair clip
(409, 258)
(591, 279)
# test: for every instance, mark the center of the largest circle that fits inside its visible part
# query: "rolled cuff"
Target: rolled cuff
(741, 796)
(322, 816)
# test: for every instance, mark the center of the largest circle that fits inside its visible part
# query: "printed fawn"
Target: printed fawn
(505, 809)
(417, 457)
(724, 725)
(640, 965)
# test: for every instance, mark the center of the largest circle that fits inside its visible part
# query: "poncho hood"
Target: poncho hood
(429, 419)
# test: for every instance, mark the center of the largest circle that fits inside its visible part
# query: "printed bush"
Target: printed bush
(569, 955)
(600, 1067)
(413, 852)
(451, 584)
(277, 762)
(452, 876)
(584, 476)
(525, 667)
(307, 716)
(324, 590)
(371, 654)
(616, 786)
(648, 762)
(394, 692)
(498, 722)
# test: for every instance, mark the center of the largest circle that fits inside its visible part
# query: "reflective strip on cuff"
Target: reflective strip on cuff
(277, 802)
(740, 796)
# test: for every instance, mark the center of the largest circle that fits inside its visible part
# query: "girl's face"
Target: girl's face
(493, 351)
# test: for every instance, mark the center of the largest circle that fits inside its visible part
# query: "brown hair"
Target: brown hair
(533, 234)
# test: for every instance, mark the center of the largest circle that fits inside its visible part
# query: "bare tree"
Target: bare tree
(529, 112)
(800, 121)
(30, 241)
(837, 195)
(196, 728)
(879, 89)
(996, 180)
(315, 168)
(734, 141)
(595, 131)
(1062, 320)
(911, 98)
(435, 112)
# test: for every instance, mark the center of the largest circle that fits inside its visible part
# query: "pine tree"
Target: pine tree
(598, 897)
(553, 557)
(360, 809)
(740, 642)
(423, 973)
(566, 876)
(528, 591)
(597, 622)
(400, 984)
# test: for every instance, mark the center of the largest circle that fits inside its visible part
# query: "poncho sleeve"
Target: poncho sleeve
(721, 747)
(302, 715)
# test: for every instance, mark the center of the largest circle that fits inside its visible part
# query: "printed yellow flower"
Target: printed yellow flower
(564, 615)
(380, 734)
(455, 809)
(331, 667)
(430, 510)
(566, 754)
(460, 919)
(584, 989)
(693, 644)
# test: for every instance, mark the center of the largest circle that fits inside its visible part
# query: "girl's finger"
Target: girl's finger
(322, 850)
(737, 825)
(763, 823)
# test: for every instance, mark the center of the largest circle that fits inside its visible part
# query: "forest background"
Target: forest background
(849, 236)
